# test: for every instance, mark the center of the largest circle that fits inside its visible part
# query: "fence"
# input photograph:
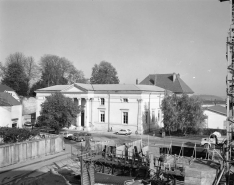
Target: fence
(22, 151)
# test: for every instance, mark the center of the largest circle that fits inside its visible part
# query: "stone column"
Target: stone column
(139, 118)
(78, 119)
(87, 115)
(91, 116)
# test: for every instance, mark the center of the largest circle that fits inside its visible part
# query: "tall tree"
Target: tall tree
(57, 112)
(32, 71)
(182, 112)
(15, 78)
(30, 68)
(75, 76)
(57, 70)
(104, 73)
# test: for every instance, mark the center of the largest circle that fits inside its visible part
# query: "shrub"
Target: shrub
(197, 131)
(13, 135)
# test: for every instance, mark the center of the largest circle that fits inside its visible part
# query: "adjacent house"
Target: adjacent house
(111, 106)
(6, 89)
(170, 82)
(10, 111)
(216, 115)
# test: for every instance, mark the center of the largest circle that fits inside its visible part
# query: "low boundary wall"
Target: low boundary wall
(22, 151)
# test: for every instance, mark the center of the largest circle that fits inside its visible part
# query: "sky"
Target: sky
(138, 37)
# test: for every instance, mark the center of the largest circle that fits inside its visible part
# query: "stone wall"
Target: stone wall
(22, 151)
(29, 105)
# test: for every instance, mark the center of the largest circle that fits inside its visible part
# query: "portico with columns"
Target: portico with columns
(106, 107)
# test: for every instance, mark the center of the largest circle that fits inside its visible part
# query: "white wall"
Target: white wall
(9, 113)
(215, 120)
(5, 116)
(16, 113)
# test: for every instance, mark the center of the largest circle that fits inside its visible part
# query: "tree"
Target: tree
(104, 73)
(32, 71)
(15, 78)
(37, 85)
(2, 69)
(59, 71)
(30, 68)
(75, 76)
(57, 112)
(182, 112)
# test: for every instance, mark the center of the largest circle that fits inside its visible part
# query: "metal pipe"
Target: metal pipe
(220, 176)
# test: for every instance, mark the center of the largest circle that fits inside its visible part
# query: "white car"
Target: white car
(124, 132)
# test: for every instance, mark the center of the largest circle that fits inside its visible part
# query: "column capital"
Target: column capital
(139, 100)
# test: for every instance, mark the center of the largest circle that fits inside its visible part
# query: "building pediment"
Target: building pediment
(72, 89)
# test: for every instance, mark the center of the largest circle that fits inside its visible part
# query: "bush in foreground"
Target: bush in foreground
(13, 135)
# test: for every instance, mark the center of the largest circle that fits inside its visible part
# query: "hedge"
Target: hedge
(197, 131)
(13, 135)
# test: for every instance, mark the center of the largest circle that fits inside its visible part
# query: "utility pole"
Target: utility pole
(230, 85)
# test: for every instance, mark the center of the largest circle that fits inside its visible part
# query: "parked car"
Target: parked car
(129, 131)
(65, 134)
(124, 132)
(80, 136)
(46, 130)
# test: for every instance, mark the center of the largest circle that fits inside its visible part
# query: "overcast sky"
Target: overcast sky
(137, 37)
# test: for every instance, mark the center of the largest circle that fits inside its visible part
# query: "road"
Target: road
(148, 140)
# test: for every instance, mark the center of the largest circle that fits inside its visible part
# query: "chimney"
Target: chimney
(137, 81)
(174, 77)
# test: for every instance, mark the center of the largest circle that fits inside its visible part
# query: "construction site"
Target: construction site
(143, 163)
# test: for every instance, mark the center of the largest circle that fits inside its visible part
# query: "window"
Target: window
(125, 117)
(153, 116)
(14, 125)
(146, 117)
(125, 100)
(158, 114)
(102, 101)
(102, 116)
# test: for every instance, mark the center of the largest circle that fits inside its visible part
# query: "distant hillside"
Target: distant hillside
(205, 97)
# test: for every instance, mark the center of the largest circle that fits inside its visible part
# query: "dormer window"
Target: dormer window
(102, 101)
(125, 100)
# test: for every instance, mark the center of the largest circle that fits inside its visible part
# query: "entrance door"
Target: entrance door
(82, 119)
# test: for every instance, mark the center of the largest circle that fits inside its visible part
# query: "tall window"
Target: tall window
(153, 116)
(102, 101)
(102, 116)
(146, 117)
(125, 117)
(158, 114)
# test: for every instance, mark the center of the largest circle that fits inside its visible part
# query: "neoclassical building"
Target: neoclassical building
(111, 106)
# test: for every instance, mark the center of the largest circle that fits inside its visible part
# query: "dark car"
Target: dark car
(80, 136)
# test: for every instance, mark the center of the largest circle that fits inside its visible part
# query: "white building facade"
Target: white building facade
(111, 106)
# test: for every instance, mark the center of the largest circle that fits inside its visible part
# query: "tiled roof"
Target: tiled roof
(105, 87)
(7, 100)
(218, 109)
(165, 81)
(5, 88)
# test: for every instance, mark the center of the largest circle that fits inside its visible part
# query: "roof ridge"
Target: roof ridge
(178, 78)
